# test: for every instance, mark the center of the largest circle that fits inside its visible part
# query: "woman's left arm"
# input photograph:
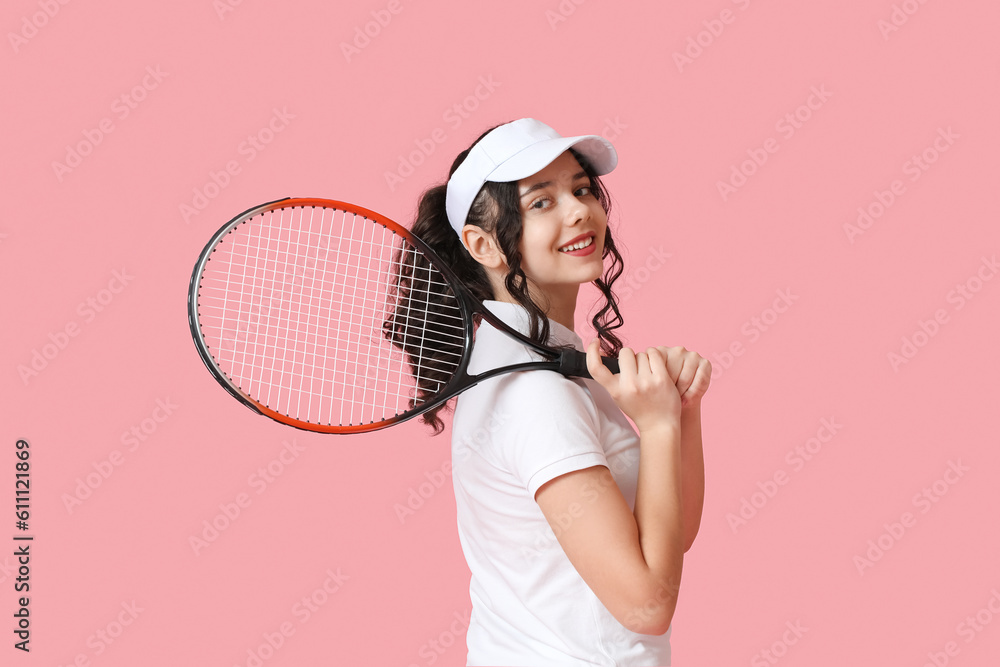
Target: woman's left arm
(692, 472)
(693, 375)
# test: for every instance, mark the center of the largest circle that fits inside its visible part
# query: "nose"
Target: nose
(576, 211)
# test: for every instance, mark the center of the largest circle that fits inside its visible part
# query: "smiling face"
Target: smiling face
(564, 224)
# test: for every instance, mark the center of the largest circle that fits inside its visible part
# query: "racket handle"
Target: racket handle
(574, 364)
(612, 364)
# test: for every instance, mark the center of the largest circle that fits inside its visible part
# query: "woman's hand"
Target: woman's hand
(643, 388)
(690, 372)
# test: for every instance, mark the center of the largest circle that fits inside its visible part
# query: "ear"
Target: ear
(483, 247)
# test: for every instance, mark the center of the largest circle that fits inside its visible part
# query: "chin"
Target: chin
(598, 270)
(588, 277)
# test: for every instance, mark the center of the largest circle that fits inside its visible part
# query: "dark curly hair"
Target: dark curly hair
(496, 209)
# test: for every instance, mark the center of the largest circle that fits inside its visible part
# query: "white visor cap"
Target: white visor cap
(514, 151)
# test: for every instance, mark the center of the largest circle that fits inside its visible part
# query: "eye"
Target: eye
(584, 191)
(539, 203)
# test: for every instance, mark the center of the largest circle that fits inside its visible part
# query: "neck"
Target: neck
(561, 305)
(558, 303)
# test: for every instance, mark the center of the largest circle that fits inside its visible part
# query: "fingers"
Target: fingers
(658, 364)
(630, 365)
(642, 364)
(642, 388)
(597, 369)
(627, 364)
(699, 385)
(674, 359)
(688, 370)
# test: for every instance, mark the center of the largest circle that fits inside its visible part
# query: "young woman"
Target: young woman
(574, 526)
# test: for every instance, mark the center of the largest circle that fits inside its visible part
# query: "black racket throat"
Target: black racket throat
(567, 360)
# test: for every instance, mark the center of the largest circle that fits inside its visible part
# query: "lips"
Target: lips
(578, 243)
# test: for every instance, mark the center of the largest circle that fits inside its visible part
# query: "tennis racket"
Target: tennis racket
(332, 318)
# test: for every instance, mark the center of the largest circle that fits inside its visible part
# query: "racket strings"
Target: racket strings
(435, 280)
(447, 312)
(425, 323)
(328, 317)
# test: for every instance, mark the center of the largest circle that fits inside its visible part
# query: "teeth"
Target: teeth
(576, 246)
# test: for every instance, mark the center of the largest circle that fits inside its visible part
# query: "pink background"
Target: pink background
(347, 120)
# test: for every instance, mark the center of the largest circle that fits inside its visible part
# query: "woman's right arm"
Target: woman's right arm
(631, 560)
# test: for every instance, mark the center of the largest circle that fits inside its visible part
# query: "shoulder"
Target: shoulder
(525, 409)
(544, 393)
(542, 414)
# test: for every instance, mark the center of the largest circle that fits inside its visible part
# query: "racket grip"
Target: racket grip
(574, 363)
(612, 364)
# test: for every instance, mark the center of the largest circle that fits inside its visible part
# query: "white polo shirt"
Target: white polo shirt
(510, 435)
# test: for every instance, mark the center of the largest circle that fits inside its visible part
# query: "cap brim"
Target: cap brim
(597, 150)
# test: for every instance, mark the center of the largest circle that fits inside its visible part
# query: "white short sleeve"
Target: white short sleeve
(554, 429)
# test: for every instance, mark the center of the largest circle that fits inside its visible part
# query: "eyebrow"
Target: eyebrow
(545, 184)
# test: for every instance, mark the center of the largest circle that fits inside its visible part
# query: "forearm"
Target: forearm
(658, 516)
(692, 472)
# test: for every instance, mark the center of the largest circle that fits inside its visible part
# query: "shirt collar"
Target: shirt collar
(515, 316)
